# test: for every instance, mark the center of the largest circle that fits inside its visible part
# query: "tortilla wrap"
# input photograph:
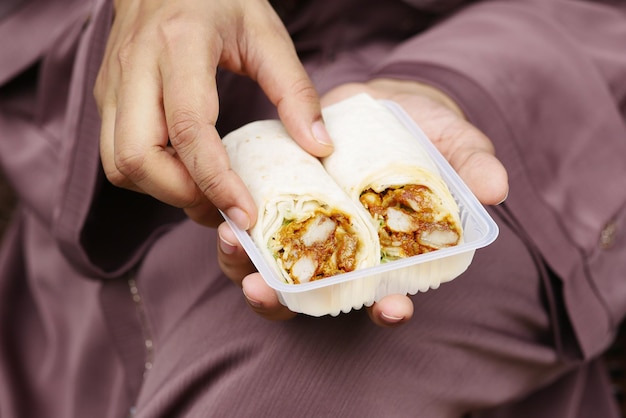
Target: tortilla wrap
(378, 162)
(307, 227)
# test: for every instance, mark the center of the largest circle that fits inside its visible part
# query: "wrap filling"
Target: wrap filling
(322, 245)
(410, 221)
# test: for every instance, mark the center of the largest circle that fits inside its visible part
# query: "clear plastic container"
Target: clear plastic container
(344, 292)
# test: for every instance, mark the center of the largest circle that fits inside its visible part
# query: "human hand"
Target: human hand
(468, 150)
(156, 93)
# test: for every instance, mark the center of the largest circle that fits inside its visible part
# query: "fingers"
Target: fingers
(485, 175)
(391, 311)
(236, 265)
(206, 214)
(263, 300)
(232, 258)
(288, 86)
(157, 88)
(140, 140)
(134, 134)
(472, 156)
(190, 104)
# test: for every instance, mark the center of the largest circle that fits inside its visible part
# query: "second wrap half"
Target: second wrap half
(380, 164)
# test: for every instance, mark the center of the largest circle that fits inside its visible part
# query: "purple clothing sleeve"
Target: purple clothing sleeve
(546, 82)
(51, 158)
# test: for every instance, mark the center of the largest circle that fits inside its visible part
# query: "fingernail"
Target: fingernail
(227, 247)
(390, 319)
(503, 200)
(253, 302)
(321, 134)
(239, 217)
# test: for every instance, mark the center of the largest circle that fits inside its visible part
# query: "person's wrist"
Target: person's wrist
(418, 88)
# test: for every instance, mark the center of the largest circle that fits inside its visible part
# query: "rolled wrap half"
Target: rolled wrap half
(381, 165)
(307, 227)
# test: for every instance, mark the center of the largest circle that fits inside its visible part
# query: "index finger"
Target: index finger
(191, 107)
(283, 78)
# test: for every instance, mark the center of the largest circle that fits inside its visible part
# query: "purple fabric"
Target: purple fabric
(112, 303)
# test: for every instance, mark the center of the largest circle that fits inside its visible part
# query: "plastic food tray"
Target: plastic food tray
(344, 292)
